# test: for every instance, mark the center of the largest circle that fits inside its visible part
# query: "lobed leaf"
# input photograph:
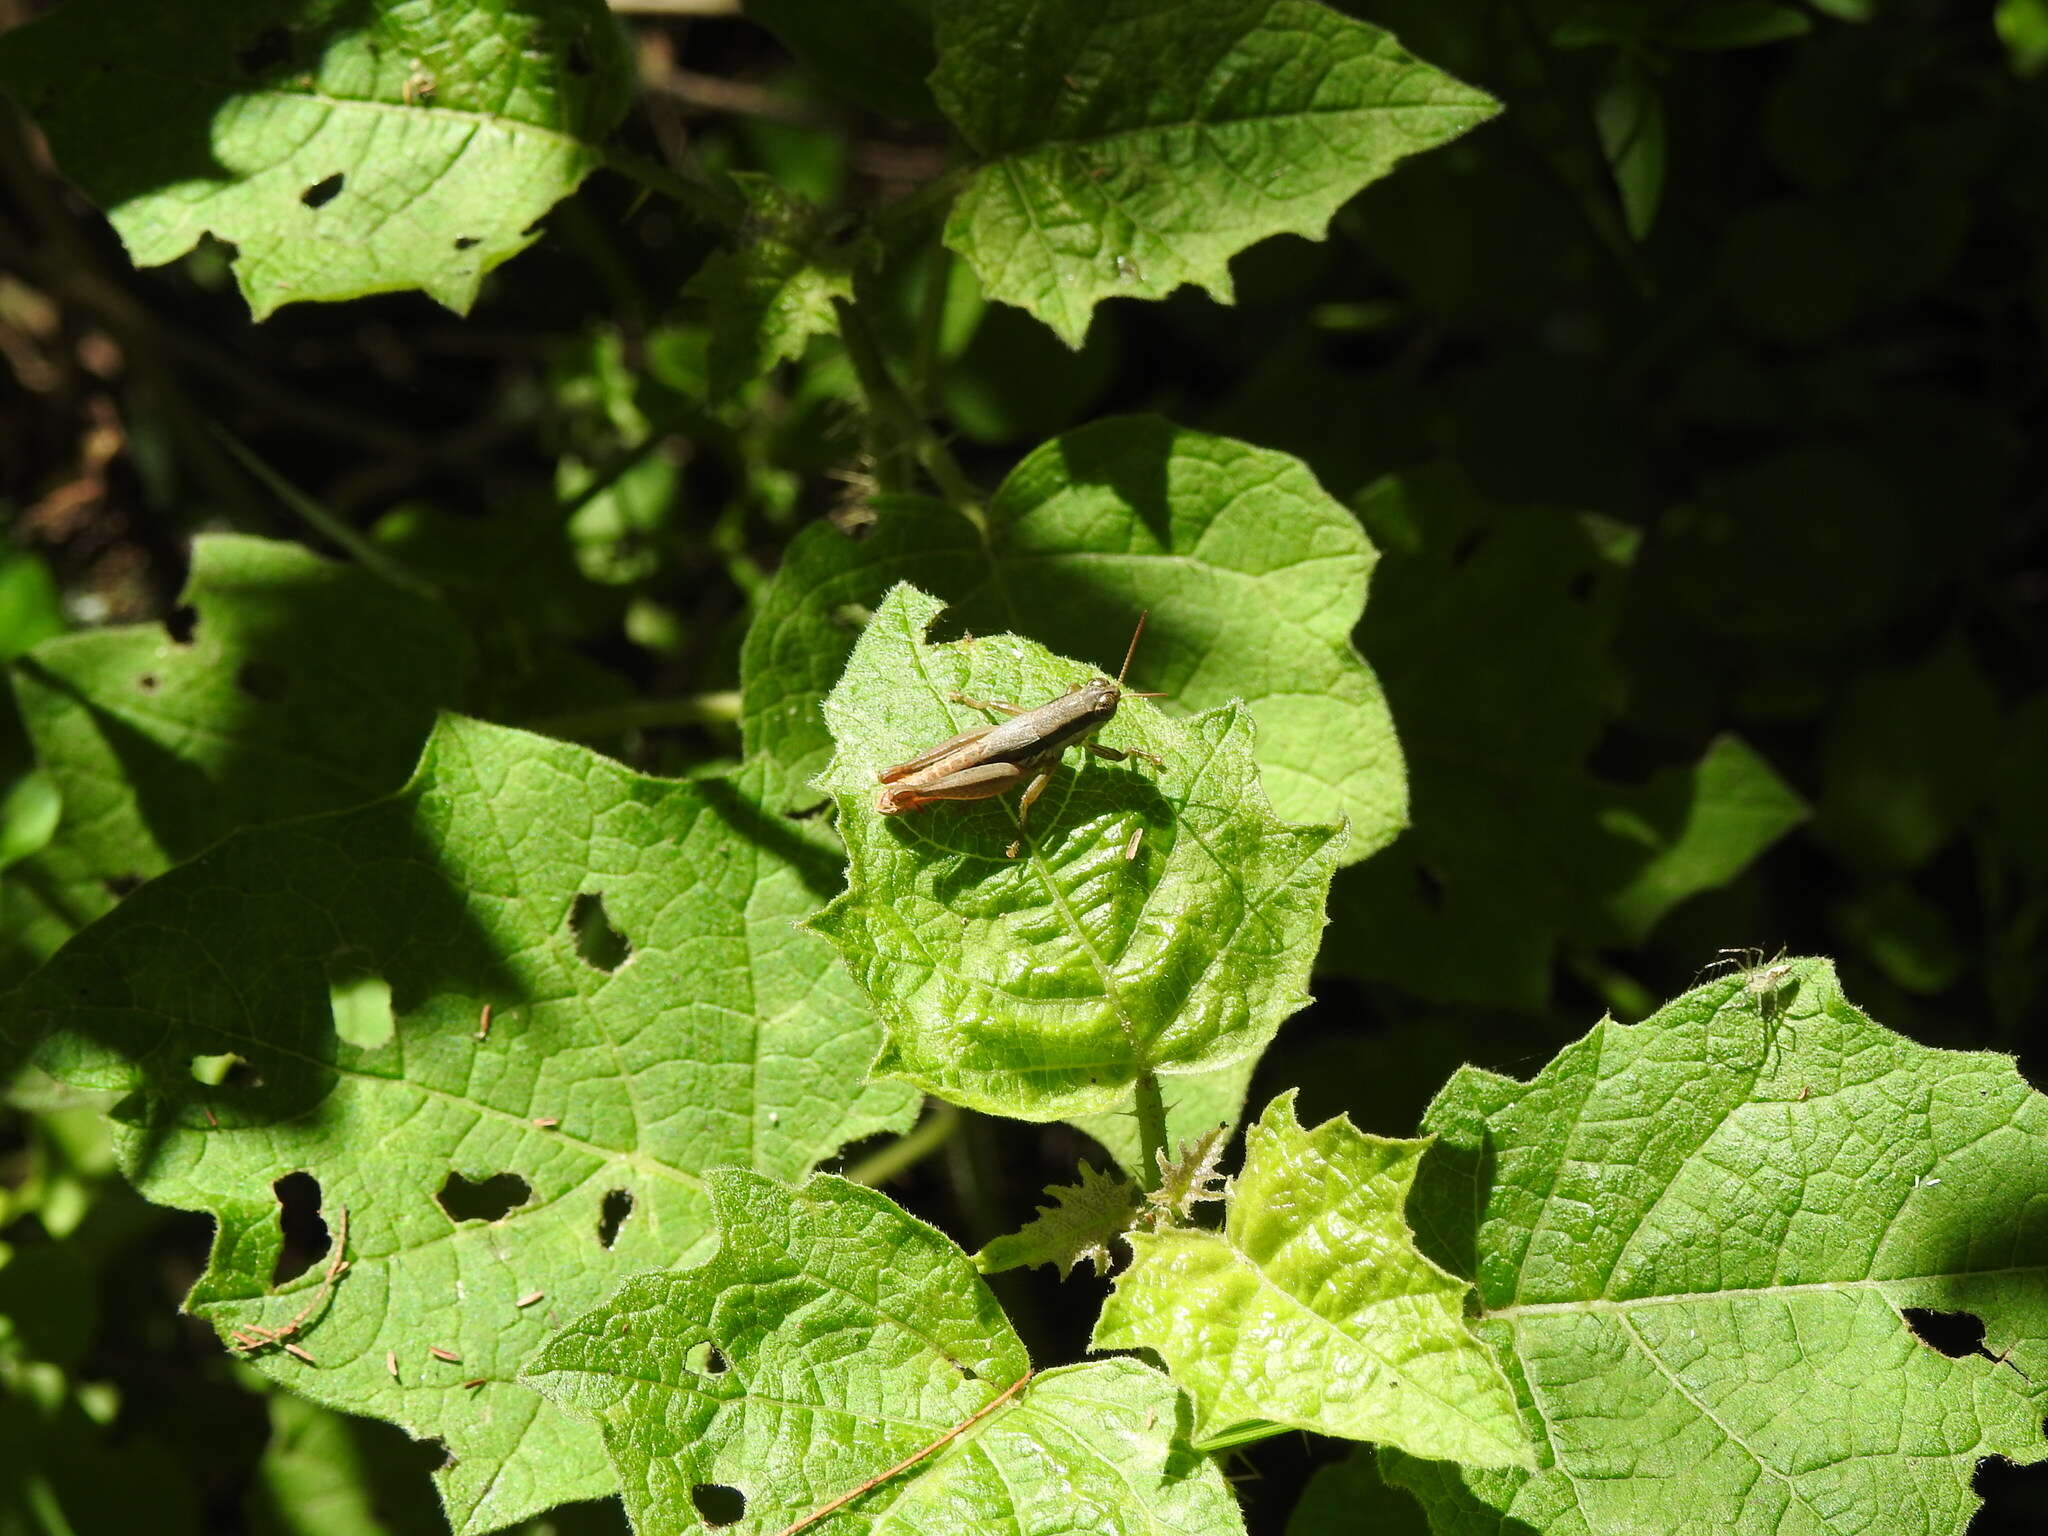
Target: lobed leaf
(1696, 1241)
(1253, 575)
(1157, 922)
(834, 1337)
(342, 148)
(1313, 1308)
(308, 999)
(1130, 146)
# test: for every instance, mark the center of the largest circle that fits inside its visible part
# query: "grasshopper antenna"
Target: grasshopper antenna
(1129, 652)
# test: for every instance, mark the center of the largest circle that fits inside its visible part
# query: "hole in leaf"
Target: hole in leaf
(448, 1459)
(299, 1219)
(227, 1070)
(181, 623)
(260, 681)
(491, 1199)
(705, 1359)
(118, 886)
(464, 242)
(360, 1001)
(618, 1205)
(601, 945)
(270, 49)
(718, 1504)
(147, 682)
(1955, 1334)
(321, 193)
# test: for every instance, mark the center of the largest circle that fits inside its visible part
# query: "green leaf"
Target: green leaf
(833, 1337)
(1694, 1239)
(1081, 1222)
(30, 610)
(299, 686)
(29, 812)
(654, 1014)
(770, 296)
(1699, 826)
(1254, 577)
(1630, 117)
(342, 148)
(1046, 985)
(1313, 1308)
(1508, 615)
(2022, 25)
(1129, 147)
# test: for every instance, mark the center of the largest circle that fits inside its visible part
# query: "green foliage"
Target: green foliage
(831, 1340)
(1312, 1308)
(291, 686)
(1694, 1241)
(1154, 922)
(1588, 549)
(653, 1015)
(335, 145)
(1126, 148)
(1252, 576)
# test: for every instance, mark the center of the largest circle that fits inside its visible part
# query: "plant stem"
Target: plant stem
(902, 434)
(927, 1137)
(316, 514)
(1151, 1125)
(715, 203)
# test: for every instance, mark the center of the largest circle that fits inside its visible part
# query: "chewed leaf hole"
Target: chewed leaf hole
(704, 1359)
(227, 1070)
(600, 945)
(181, 624)
(464, 242)
(299, 1219)
(1955, 1334)
(360, 1001)
(618, 1205)
(718, 1505)
(322, 192)
(491, 1199)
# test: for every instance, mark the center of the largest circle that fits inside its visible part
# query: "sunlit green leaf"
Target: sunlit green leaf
(1312, 1308)
(341, 148)
(834, 1337)
(1156, 920)
(1694, 1241)
(652, 1013)
(1128, 147)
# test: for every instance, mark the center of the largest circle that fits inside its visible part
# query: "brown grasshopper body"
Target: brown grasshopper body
(1024, 749)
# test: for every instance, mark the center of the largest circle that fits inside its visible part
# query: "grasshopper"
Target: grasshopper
(1025, 749)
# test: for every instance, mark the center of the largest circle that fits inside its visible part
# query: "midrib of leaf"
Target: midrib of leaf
(1058, 898)
(1679, 1386)
(1334, 1327)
